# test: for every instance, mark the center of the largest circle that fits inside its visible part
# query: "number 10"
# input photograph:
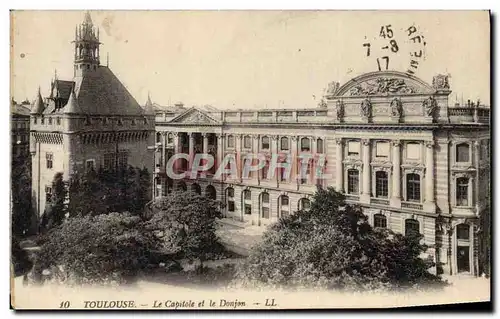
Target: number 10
(386, 58)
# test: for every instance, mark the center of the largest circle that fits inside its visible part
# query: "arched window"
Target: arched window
(196, 188)
(380, 221)
(247, 202)
(413, 187)
(284, 206)
(247, 142)
(304, 204)
(158, 137)
(305, 144)
(412, 227)
(463, 232)
(381, 184)
(265, 143)
(230, 199)
(264, 203)
(319, 146)
(353, 181)
(462, 191)
(462, 152)
(210, 192)
(284, 144)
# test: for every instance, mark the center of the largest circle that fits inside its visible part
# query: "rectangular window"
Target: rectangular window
(265, 198)
(382, 149)
(89, 165)
(284, 200)
(230, 206)
(462, 191)
(247, 142)
(265, 212)
(109, 161)
(381, 184)
(247, 195)
(50, 160)
(58, 121)
(353, 181)
(265, 143)
(413, 151)
(50, 121)
(380, 221)
(319, 146)
(353, 148)
(463, 232)
(462, 152)
(248, 209)
(413, 188)
(284, 144)
(48, 193)
(123, 159)
(35, 120)
(230, 141)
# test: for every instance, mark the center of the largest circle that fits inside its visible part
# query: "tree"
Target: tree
(100, 249)
(333, 246)
(22, 212)
(56, 207)
(188, 222)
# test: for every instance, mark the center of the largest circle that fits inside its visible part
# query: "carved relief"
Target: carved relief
(440, 82)
(382, 86)
(366, 108)
(430, 106)
(197, 117)
(340, 109)
(396, 108)
(339, 141)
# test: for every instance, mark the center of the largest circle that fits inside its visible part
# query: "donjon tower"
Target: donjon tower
(88, 122)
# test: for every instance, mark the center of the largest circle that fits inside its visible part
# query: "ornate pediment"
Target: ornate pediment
(383, 84)
(195, 116)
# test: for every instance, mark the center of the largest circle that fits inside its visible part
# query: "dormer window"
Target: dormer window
(88, 121)
(132, 122)
(120, 122)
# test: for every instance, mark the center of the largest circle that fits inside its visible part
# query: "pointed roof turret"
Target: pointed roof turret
(149, 106)
(38, 106)
(72, 106)
(87, 19)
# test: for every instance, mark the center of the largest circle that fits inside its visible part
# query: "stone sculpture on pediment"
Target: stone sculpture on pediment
(440, 82)
(366, 108)
(340, 109)
(382, 86)
(396, 108)
(196, 117)
(430, 106)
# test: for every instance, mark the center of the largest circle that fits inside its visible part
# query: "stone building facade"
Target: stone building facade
(391, 142)
(87, 122)
(20, 128)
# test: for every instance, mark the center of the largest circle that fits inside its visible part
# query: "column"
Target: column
(205, 149)
(475, 181)
(339, 167)
(429, 205)
(177, 146)
(314, 160)
(163, 150)
(294, 173)
(239, 165)
(220, 152)
(366, 191)
(396, 174)
(191, 149)
(255, 149)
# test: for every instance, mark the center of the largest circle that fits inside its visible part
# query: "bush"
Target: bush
(108, 248)
(186, 222)
(332, 246)
(19, 258)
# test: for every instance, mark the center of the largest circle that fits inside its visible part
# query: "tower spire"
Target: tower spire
(86, 47)
(38, 106)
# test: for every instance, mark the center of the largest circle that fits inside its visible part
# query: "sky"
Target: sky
(251, 59)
